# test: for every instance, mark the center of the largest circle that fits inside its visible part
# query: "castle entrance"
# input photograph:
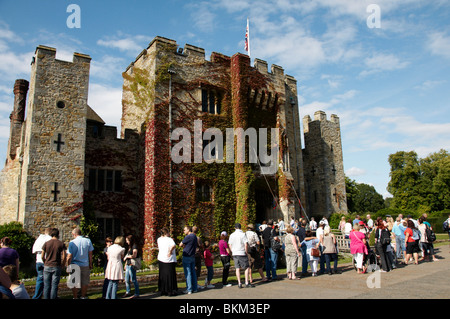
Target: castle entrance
(264, 205)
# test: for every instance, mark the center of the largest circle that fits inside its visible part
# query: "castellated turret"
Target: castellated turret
(323, 165)
(45, 181)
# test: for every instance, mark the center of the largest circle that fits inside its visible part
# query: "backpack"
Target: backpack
(275, 245)
(445, 225)
(385, 237)
(429, 234)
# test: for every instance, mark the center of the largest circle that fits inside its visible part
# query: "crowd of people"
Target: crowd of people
(257, 250)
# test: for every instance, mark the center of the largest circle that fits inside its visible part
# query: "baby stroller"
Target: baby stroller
(370, 261)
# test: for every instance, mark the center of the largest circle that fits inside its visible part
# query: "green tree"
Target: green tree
(362, 198)
(367, 199)
(405, 175)
(420, 184)
(350, 190)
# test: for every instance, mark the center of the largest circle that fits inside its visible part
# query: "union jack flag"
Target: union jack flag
(247, 40)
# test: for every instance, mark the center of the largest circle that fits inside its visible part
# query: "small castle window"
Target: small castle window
(211, 102)
(60, 104)
(203, 192)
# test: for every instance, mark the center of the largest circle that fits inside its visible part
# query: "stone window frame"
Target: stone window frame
(105, 180)
(211, 101)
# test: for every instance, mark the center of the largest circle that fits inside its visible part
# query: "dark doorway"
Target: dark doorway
(264, 203)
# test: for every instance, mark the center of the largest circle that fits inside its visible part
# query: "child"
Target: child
(17, 287)
(209, 264)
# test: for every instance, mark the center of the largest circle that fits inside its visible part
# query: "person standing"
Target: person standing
(412, 237)
(270, 256)
(54, 257)
(292, 253)
(310, 243)
(8, 255)
(329, 250)
(114, 267)
(427, 246)
(189, 245)
(382, 240)
(80, 253)
(37, 249)
(301, 234)
(399, 232)
(369, 223)
(312, 225)
(254, 257)
(108, 243)
(209, 262)
(167, 261)
(358, 248)
(319, 235)
(239, 249)
(130, 269)
(225, 258)
(198, 253)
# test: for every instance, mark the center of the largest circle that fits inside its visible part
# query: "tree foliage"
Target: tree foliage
(420, 184)
(362, 197)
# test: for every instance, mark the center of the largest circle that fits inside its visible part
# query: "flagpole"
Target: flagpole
(248, 39)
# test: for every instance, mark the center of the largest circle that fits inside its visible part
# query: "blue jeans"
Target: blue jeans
(39, 281)
(111, 292)
(328, 259)
(190, 274)
(400, 246)
(304, 260)
(270, 258)
(52, 275)
(130, 276)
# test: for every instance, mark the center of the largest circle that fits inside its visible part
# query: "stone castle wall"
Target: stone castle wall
(324, 169)
(53, 173)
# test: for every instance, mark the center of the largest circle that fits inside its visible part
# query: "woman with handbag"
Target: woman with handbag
(130, 270)
(358, 247)
(382, 241)
(312, 251)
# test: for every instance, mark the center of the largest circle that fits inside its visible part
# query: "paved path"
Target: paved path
(428, 280)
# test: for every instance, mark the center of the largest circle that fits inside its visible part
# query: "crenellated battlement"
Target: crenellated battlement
(192, 51)
(320, 116)
(43, 51)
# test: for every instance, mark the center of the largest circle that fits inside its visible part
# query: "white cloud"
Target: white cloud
(439, 44)
(380, 62)
(108, 67)
(126, 43)
(355, 171)
(106, 101)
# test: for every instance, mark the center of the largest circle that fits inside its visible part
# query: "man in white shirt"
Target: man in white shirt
(239, 249)
(313, 224)
(37, 249)
(369, 222)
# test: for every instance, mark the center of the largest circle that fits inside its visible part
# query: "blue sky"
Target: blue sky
(389, 85)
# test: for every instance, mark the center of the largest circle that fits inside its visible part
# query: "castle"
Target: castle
(63, 160)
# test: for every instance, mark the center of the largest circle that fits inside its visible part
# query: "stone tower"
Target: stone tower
(323, 165)
(49, 181)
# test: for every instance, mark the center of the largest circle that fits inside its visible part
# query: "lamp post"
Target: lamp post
(171, 73)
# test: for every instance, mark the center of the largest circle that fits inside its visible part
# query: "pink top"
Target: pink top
(356, 243)
(208, 260)
(223, 247)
